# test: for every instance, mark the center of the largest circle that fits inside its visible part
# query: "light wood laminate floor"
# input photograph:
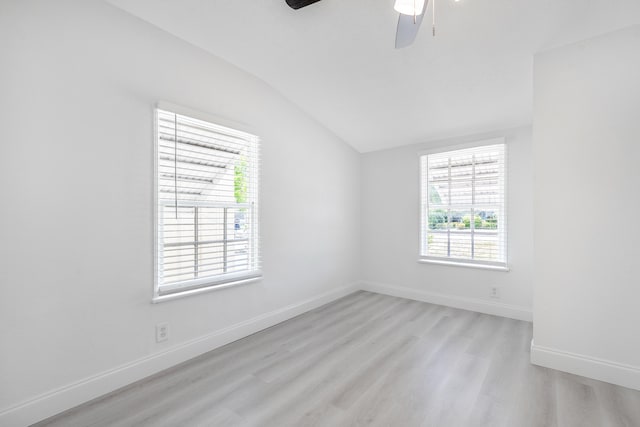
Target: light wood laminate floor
(367, 359)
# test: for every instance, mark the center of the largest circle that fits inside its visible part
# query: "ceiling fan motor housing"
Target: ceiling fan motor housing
(297, 4)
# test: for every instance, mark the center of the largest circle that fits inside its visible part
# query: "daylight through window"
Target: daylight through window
(207, 204)
(463, 206)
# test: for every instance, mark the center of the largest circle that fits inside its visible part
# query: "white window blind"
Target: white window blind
(207, 204)
(463, 206)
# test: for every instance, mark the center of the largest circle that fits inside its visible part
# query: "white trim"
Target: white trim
(451, 263)
(203, 289)
(472, 304)
(162, 293)
(586, 366)
(69, 396)
(156, 199)
(473, 144)
(502, 231)
(207, 117)
(208, 282)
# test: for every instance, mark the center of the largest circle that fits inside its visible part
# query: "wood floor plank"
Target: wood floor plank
(613, 398)
(367, 359)
(318, 380)
(577, 403)
(409, 385)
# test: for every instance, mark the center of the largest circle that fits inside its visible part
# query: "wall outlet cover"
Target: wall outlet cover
(162, 332)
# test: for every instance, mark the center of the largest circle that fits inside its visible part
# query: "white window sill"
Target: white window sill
(463, 264)
(187, 293)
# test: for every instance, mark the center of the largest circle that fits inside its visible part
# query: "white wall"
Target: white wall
(587, 200)
(391, 232)
(78, 81)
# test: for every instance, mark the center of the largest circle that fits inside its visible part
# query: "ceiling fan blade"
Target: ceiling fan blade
(408, 29)
(297, 4)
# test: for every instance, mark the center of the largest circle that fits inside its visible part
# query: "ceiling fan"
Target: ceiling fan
(411, 14)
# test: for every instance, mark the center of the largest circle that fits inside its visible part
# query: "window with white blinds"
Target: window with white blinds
(463, 206)
(207, 204)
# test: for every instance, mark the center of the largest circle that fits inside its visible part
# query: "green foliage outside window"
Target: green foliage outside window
(434, 196)
(466, 220)
(240, 182)
(439, 218)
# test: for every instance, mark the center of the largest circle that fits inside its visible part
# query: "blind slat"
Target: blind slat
(463, 205)
(207, 203)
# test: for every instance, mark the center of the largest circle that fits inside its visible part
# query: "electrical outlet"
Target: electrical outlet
(162, 332)
(494, 292)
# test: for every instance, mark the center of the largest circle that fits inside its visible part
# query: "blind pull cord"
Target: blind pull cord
(433, 23)
(175, 161)
(414, 12)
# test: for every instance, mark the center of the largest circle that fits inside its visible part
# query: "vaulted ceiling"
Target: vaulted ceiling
(336, 60)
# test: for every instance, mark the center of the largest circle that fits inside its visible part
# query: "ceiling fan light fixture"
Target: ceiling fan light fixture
(409, 7)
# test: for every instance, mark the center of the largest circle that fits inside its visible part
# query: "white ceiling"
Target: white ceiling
(335, 59)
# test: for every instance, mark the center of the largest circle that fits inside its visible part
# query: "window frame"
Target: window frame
(205, 284)
(424, 209)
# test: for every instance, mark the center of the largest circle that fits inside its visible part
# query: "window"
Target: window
(207, 204)
(463, 206)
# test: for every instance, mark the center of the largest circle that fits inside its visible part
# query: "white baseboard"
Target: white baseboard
(586, 366)
(472, 304)
(66, 397)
